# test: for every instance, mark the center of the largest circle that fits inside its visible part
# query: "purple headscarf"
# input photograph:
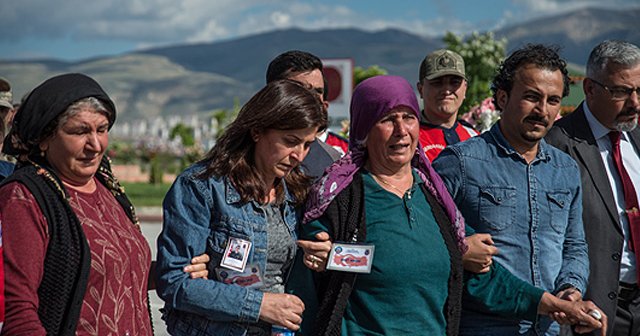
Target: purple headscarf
(371, 100)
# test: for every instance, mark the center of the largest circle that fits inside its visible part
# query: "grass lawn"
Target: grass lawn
(145, 194)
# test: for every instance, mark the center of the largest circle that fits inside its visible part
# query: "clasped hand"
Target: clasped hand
(316, 252)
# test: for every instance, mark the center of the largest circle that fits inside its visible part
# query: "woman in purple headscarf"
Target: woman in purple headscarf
(385, 194)
(396, 262)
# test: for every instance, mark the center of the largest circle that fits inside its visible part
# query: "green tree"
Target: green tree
(192, 151)
(184, 132)
(482, 54)
(224, 117)
(156, 169)
(360, 73)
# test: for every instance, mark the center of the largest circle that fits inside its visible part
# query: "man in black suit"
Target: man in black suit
(612, 103)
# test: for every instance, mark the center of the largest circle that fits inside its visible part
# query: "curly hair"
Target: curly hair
(542, 56)
(281, 105)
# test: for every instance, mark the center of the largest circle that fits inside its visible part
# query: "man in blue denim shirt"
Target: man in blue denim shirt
(508, 182)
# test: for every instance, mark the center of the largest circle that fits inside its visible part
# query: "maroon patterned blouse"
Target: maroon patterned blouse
(115, 302)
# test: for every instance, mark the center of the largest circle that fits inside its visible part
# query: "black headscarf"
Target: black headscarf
(43, 106)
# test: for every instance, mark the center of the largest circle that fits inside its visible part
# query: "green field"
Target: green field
(145, 194)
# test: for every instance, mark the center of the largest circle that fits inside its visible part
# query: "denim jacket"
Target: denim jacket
(532, 211)
(200, 215)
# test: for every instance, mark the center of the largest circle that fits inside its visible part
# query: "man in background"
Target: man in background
(442, 85)
(306, 68)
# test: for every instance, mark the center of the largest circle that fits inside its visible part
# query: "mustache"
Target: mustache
(630, 111)
(538, 119)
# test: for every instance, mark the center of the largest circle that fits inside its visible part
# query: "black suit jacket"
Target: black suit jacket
(573, 135)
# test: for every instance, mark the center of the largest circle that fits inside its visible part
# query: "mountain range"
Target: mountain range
(199, 78)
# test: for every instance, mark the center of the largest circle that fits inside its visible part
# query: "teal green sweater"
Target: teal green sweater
(501, 292)
(407, 288)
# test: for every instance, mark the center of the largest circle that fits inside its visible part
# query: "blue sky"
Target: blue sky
(79, 29)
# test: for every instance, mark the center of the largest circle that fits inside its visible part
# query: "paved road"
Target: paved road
(151, 231)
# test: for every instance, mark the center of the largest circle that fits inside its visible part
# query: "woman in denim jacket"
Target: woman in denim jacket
(240, 205)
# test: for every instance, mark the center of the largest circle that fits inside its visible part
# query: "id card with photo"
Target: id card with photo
(236, 254)
(250, 278)
(350, 257)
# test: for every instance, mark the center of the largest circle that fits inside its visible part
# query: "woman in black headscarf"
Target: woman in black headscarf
(75, 259)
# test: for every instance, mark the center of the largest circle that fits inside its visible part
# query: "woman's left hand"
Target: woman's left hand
(316, 252)
(198, 267)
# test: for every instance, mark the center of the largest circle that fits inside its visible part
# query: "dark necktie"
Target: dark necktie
(630, 199)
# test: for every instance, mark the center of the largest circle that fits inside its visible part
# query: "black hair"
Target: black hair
(544, 57)
(291, 62)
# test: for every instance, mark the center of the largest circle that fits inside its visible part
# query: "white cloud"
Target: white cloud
(144, 21)
(535, 8)
(342, 11)
(507, 17)
(209, 32)
(323, 16)
(280, 19)
(161, 22)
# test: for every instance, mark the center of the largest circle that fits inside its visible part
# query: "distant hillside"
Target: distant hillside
(198, 78)
(246, 59)
(576, 32)
(142, 86)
